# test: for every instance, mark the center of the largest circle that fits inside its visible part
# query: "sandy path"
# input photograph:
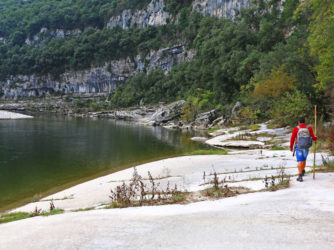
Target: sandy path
(301, 217)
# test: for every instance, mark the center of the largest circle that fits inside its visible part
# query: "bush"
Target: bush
(292, 105)
(255, 127)
(275, 147)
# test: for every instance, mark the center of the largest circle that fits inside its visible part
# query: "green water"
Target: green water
(46, 154)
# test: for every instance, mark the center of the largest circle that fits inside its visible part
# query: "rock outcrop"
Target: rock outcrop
(204, 119)
(153, 15)
(102, 80)
(168, 113)
(95, 81)
(55, 34)
(220, 8)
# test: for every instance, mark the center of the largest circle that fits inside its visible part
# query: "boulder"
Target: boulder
(199, 139)
(168, 113)
(235, 109)
(204, 119)
(125, 115)
(219, 121)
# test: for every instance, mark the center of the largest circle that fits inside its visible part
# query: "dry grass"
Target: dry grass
(327, 165)
(325, 133)
(138, 193)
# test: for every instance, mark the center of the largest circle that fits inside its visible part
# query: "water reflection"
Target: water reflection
(39, 154)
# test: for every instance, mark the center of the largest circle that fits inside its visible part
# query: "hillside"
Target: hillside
(266, 54)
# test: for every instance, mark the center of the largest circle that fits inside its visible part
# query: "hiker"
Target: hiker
(301, 141)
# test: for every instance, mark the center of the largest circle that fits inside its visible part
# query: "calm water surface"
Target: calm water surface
(46, 154)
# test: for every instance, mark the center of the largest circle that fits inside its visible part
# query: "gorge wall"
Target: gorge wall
(95, 81)
(103, 80)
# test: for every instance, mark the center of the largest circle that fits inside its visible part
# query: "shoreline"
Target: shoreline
(95, 190)
(6, 115)
(185, 171)
(57, 189)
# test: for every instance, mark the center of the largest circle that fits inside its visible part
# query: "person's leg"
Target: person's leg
(303, 167)
(305, 154)
(300, 159)
(300, 167)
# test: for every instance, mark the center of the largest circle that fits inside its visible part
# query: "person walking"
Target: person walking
(301, 140)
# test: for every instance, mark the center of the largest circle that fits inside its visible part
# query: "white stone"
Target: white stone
(5, 115)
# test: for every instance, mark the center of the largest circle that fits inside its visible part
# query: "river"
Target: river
(46, 154)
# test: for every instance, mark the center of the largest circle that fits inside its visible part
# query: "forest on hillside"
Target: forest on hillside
(278, 62)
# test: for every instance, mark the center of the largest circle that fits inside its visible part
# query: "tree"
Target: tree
(321, 43)
(274, 84)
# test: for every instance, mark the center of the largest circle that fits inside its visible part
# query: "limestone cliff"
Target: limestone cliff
(103, 80)
(220, 8)
(95, 81)
(154, 14)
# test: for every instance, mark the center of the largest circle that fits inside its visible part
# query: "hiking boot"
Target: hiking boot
(300, 178)
(303, 173)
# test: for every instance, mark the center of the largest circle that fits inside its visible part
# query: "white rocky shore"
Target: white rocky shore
(300, 217)
(5, 115)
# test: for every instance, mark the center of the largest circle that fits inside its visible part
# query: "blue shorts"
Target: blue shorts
(301, 154)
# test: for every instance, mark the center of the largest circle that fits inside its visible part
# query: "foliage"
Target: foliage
(255, 127)
(249, 114)
(291, 105)
(4, 218)
(202, 100)
(269, 56)
(174, 6)
(53, 212)
(9, 217)
(26, 18)
(275, 147)
(325, 134)
(321, 39)
(274, 84)
(327, 164)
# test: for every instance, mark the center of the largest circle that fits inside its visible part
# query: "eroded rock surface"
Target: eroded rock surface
(168, 113)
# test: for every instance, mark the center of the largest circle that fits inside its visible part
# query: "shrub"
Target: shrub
(255, 127)
(292, 105)
(276, 147)
(326, 137)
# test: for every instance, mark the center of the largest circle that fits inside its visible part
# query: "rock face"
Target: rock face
(153, 15)
(95, 81)
(204, 119)
(168, 113)
(220, 8)
(103, 80)
(56, 34)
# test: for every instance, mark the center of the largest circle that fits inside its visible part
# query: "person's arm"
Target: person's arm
(293, 137)
(314, 138)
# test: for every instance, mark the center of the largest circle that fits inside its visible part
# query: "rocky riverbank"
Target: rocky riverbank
(170, 116)
(167, 115)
